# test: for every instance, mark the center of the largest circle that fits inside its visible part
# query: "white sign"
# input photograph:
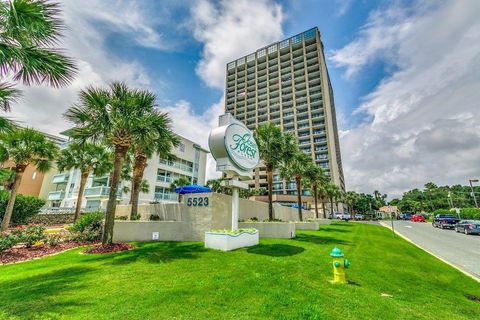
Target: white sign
(155, 235)
(241, 146)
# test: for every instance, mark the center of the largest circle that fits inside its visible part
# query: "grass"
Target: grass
(278, 279)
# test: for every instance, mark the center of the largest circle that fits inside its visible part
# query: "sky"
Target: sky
(405, 74)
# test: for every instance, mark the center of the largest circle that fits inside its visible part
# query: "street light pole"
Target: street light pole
(473, 192)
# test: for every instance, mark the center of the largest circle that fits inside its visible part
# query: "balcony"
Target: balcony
(60, 178)
(56, 195)
(166, 196)
(100, 192)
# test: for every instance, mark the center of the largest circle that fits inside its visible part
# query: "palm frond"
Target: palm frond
(8, 95)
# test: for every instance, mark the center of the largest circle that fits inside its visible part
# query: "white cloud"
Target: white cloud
(230, 30)
(425, 116)
(342, 6)
(41, 106)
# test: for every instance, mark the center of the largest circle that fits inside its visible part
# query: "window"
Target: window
(272, 49)
(296, 39)
(261, 53)
(231, 65)
(181, 147)
(34, 175)
(309, 33)
(162, 193)
(240, 62)
(251, 57)
(284, 44)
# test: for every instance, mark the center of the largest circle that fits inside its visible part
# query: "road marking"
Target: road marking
(474, 277)
(408, 227)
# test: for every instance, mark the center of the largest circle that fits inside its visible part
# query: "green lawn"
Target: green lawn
(279, 279)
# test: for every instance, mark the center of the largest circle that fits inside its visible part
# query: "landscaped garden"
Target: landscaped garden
(278, 279)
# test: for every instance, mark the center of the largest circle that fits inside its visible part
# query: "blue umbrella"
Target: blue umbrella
(194, 188)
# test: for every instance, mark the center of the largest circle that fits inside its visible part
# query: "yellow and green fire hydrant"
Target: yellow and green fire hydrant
(339, 266)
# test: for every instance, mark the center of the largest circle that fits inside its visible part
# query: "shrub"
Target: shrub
(30, 235)
(135, 217)
(154, 217)
(470, 213)
(443, 211)
(24, 208)
(7, 241)
(54, 239)
(88, 227)
(121, 218)
(51, 218)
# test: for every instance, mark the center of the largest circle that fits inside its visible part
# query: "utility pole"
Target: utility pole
(473, 192)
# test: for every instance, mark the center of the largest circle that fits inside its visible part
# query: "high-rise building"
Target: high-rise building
(287, 83)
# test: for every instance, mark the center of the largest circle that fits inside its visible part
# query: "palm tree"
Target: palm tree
(331, 191)
(178, 183)
(160, 141)
(314, 176)
(295, 167)
(322, 194)
(87, 158)
(28, 30)
(24, 147)
(116, 116)
(339, 196)
(274, 147)
(215, 184)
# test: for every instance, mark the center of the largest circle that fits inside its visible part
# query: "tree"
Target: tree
(215, 184)
(24, 147)
(161, 140)
(178, 183)
(28, 31)
(331, 191)
(322, 194)
(274, 147)
(87, 158)
(315, 176)
(296, 167)
(116, 116)
(351, 198)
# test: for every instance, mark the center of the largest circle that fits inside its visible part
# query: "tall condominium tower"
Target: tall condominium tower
(287, 83)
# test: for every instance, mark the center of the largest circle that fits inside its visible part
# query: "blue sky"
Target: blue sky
(405, 74)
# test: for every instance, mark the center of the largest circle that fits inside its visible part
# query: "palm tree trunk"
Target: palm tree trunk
(83, 182)
(299, 197)
(323, 208)
(315, 199)
(19, 170)
(120, 152)
(138, 170)
(331, 207)
(270, 196)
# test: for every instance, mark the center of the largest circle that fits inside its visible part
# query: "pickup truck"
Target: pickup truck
(445, 221)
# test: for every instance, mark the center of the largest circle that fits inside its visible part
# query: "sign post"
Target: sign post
(234, 148)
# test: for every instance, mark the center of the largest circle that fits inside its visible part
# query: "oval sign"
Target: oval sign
(241, 146)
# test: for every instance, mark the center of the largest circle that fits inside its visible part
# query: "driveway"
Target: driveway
(458, 249)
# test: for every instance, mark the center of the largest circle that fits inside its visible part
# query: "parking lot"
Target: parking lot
(456, 248)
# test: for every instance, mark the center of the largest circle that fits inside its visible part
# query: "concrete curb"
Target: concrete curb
(431, 253)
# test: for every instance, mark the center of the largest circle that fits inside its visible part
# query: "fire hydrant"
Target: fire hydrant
(339, 266)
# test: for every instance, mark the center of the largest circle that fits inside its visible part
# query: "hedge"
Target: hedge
(51, 218)
(470, 213)
(24, 208)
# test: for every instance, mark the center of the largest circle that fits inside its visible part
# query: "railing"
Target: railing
(100, 191)
(60, 178)
(56, 195)
(166, 196)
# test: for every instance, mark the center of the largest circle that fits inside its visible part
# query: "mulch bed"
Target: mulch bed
(109, 248)
(22, 254)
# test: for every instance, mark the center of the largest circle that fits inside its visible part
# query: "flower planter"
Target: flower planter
(226, 241)
(284, 230)
(307, 225)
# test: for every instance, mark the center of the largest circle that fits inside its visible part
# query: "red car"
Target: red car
(417, 218)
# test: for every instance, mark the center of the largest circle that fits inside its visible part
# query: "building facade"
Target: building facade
(287, 83)
(61, 188)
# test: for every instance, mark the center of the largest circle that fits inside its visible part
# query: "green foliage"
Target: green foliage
(54, 239)
(443, 211)
(86, 157)
(24, 209)
(135, 217)
(88, 227)
(154, 217)
(470, 213)
(7, 241)
(30, 235)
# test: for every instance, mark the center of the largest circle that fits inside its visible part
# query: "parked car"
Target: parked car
(346, 217)
(445, 221)
(468, 226)
(417, 218)
(405, 216)
(359, 216)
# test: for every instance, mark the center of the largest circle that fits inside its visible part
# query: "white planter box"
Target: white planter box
(310, 225)
(283, 230)
(227, 242)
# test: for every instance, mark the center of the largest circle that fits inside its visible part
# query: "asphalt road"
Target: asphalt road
(458, 249)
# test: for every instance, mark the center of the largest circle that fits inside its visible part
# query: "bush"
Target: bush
(443, 211)
(7, 241)
(51, 218)
(121, 218)
(54, 239)
(135, 217)
(24, 208)
(154, 217)
(30, 235)
(470, 213)
(88, 227)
